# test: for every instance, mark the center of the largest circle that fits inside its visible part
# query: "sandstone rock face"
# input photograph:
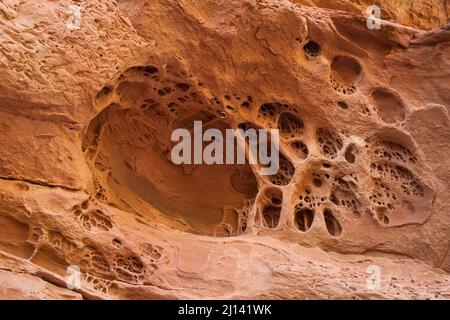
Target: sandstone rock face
(422, 14)
(88, 103)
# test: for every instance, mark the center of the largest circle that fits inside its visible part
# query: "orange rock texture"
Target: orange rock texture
(88, 101)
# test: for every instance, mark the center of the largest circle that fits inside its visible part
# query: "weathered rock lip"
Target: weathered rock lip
(88, 191)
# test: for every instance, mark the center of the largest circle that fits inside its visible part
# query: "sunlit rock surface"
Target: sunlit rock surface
(87, 108)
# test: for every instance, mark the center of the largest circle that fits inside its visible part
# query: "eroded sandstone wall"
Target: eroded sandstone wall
(86, 179)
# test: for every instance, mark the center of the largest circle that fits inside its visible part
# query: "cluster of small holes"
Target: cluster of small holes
(247, 105)
(304, 218)
(317, 180)
(350, 154)
(152, 252)
(233, 101)
(341, 88)
(152, 94)
(383, 196)
(137, 132)
(129, 268)
(165, 91)
(381, 215)
(410, 185)
(247, 125)
(225, 229)
(94, 262)
(345, 73)
(92, 219)
(343, 105)
(268, 113)
(333, 226)
(101, 162)
(307, 199)
(290, 126)
(97, 284)
(116, 242)
(388, 105)
(344, 198)
(329, 143)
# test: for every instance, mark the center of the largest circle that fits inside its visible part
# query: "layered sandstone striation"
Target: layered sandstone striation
(86, 179)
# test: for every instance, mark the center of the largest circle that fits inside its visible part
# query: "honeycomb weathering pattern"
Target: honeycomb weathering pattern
(86, 178)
